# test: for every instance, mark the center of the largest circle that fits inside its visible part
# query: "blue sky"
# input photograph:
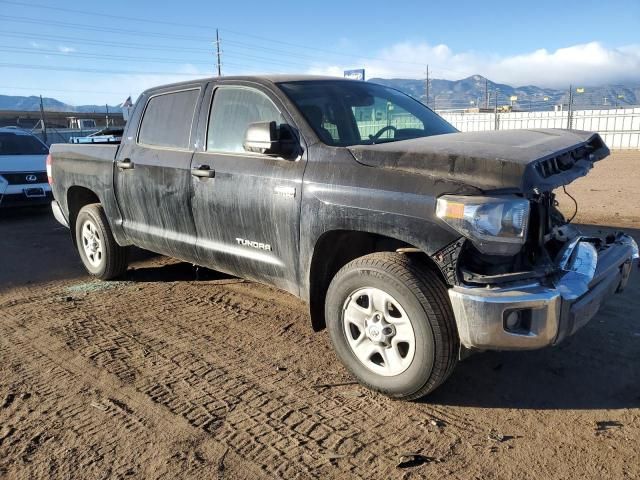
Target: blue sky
(55, 49)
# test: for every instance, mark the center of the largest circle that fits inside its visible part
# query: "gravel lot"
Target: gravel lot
(172, 373)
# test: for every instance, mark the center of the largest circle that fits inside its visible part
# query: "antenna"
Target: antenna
(218, 53)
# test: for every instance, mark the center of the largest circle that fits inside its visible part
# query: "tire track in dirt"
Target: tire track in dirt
(108, 420)
(241, 399)
(237, 367)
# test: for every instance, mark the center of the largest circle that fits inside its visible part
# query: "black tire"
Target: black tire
(112, 261)
(423, 296)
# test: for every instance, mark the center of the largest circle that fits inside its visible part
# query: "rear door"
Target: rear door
(247, 213)
(152, 175)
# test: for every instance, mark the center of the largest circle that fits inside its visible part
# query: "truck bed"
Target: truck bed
(62, 152)
(77, 167)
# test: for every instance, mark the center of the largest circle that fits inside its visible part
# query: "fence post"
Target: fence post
(43, 121)
(496, 125)
(570, 109)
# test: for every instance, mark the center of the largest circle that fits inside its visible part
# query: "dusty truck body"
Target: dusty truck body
(412, 243)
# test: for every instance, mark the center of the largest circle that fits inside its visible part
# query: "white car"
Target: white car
(23, 172)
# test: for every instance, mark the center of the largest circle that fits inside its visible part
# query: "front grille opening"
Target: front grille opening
(553, 166)
(566, 161)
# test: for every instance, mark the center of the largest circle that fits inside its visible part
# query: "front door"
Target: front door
(247, 210)
(153, 178)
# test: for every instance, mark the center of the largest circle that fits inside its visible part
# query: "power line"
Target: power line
(121, 31)
(105, 15)
(47, 89)
(265, 59)
(36, 51)
(139, 46)
(94, 70)
(116, 72)
(315, 57)
(251, 46)
(103, 56)
(36, 21)
(322, 50)
(137, 33)
(135, 46)
(101, 42)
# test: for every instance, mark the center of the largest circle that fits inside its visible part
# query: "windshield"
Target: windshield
(21, 144)
(347, 112)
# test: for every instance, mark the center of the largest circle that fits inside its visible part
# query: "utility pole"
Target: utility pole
(218, 53)
(496, 125)
(570, 111)
(486, 93)
(426, 85)
(42, 120)
(106, 118)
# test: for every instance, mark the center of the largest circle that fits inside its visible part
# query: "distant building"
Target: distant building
(31, 119)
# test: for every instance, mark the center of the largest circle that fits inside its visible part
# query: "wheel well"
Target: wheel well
(337, 248)
(78, 197)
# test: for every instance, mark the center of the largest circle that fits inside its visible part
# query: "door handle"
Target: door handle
(125, 164)
(203, 171)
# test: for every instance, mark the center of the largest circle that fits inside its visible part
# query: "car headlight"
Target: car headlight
(495, 225)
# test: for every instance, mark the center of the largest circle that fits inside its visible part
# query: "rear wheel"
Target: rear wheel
(101, 255)
(391, 324)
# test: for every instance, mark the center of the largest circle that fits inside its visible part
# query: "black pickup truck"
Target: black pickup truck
(413, 243)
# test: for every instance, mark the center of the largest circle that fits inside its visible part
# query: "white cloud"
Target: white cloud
(586, 64)
(65, 49)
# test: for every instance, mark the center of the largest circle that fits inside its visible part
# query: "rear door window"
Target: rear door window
(234, 108)
(168, 119)
(21, 144)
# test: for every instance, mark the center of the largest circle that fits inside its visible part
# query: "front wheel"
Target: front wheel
(391, 324)
(101, 255)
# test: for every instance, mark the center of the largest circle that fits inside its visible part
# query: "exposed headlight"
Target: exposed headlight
(495, 225)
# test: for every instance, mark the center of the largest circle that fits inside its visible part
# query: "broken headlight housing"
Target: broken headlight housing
(495, 225)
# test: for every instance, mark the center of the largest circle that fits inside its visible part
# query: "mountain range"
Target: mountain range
(32, 103)
(477, 90)
(473, 91)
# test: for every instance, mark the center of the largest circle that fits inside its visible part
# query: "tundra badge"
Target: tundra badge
(252, 244)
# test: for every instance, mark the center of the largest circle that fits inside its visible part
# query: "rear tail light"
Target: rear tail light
(49, 177)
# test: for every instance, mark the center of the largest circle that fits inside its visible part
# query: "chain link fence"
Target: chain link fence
(619, 127)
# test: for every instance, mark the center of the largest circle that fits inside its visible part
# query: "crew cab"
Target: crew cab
(23, 176)
(413, 243)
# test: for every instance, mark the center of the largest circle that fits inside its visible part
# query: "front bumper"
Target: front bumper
(547, 311)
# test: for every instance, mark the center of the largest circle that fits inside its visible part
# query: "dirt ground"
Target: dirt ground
(172, 373)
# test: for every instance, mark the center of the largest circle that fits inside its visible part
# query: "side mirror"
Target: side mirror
(270, 139)
(261, 137)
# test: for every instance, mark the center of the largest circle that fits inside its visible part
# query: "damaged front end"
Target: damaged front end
(521, 275)
(526, 283)
(540, 306)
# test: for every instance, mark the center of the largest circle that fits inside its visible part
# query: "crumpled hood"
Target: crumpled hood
(523, 160)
